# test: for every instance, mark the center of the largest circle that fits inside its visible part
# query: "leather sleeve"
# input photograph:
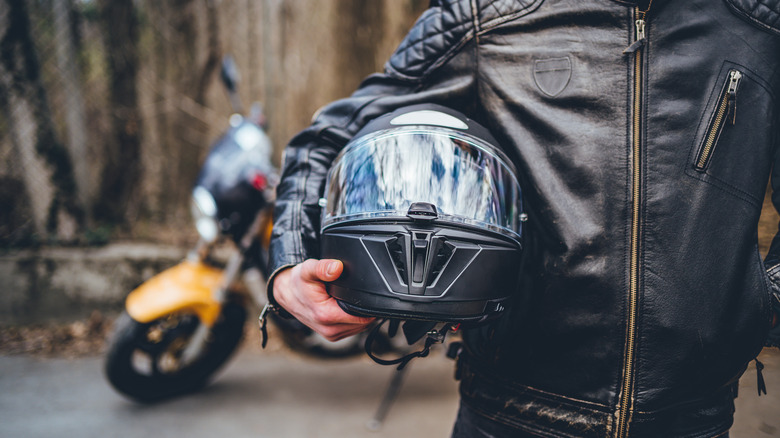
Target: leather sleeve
(436, 63)
(765, 15)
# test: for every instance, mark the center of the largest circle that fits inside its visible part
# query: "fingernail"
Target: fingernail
(332, 268)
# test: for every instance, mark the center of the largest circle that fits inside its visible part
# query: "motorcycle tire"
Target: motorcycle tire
(304, 340)
(141, 357)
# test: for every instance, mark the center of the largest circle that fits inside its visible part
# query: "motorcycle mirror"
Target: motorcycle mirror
(230, 78)
(229, 73)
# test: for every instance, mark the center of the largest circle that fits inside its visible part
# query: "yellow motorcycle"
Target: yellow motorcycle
(183, 324)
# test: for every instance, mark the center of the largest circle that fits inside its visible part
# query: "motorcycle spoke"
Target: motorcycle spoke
(159, 350)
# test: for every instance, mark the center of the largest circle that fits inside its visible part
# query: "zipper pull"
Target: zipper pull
(640, 29)
(731, 92)
(640, 37)
(760, 377)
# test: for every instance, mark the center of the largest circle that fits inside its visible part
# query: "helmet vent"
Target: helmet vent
(443, 256)
(397, 253)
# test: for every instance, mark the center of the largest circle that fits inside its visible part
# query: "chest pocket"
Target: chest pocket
(732, 149)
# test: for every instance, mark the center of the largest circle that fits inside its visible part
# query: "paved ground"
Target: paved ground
(274, 394)
(259, 394)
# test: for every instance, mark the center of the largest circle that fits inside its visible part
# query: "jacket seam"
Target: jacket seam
(475, 19)
(752, 20)
(492, 24)
(448, 55)
(298, 208)
(478, 28)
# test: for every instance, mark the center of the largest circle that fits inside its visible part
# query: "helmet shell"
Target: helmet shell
(425, 212)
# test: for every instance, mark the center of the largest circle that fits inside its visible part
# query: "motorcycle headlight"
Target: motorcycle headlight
(204, 212)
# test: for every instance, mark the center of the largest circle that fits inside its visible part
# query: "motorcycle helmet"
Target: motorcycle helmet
(425, 212)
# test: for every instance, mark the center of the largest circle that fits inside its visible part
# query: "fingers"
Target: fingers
(302, 292)
(321, 270)
(329, 312)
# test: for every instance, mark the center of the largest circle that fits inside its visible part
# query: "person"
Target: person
(644, 134)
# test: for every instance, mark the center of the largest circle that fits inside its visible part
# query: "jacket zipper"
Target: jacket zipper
(625, 405)
(725, 112)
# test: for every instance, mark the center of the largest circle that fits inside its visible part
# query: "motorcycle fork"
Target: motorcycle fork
(191, 286)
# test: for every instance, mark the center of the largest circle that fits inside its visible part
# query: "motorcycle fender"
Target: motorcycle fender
(188, 286)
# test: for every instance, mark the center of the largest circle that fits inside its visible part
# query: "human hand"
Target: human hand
(300, 290)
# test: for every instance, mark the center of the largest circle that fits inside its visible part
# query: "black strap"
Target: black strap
(760, 377)
(263, 321)
(433, 337)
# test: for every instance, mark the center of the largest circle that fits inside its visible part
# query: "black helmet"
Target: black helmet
(425, 212)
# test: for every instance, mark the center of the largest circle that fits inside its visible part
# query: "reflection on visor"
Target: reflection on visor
(381, 175)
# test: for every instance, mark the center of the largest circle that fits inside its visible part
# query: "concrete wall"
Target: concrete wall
(56, 284)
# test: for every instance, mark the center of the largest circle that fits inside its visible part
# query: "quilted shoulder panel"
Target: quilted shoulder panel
(446, 27)
(762, 13)
(495, 12)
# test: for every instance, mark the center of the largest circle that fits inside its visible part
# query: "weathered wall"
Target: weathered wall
(293, 55)
(68, 283)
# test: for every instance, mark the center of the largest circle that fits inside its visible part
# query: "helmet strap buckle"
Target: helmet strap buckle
(435, 335)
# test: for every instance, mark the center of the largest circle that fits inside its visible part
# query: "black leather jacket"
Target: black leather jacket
(644, 144)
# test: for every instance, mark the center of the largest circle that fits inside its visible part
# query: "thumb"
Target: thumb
(322, 270)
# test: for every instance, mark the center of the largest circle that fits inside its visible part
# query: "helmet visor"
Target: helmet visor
(381, 174)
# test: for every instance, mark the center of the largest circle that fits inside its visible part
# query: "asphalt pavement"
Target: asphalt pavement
(276, 394)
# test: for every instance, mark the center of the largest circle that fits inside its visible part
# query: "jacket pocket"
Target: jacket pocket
(732, 148)
(725, 114)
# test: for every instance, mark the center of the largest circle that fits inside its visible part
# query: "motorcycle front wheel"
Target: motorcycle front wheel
(151, 361)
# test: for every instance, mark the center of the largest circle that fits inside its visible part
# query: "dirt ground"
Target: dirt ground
(75, 339)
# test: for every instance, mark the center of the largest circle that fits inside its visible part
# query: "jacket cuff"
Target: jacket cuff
(280, 311)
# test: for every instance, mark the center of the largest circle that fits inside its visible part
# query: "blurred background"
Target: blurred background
(108, 107)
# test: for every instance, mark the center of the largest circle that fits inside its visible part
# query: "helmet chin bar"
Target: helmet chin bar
(420, 272)
(405, 269)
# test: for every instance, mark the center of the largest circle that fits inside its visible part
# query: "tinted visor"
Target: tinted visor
(381, 174)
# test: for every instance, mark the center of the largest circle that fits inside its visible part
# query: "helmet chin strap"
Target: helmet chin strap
(433, 336)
